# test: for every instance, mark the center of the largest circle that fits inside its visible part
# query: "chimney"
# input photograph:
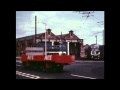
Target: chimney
(48, 31)
(70, 32)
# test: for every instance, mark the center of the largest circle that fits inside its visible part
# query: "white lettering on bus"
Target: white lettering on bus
(48, 57)
(30, 57)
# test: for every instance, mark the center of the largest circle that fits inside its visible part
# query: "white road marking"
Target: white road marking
(19, 73)
(82, 76)
(27, 75)
(23, 74)
(18, 65)
(36, 77)
(16, 72)
(32, 77)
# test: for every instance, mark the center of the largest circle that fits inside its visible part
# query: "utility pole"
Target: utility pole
(61, 43)
(35, 29)
(96, 40)
(45, 40)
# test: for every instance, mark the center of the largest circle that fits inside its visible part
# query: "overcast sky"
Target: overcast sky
(62, 21)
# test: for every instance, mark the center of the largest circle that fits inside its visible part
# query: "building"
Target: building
(70, 40)
(86, 50)
(101, 48)
(82, 54)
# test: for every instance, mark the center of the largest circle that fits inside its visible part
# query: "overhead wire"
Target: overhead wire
(81, 26)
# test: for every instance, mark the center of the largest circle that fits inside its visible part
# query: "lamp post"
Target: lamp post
(45, 40)
(61, 42)
(96, 40)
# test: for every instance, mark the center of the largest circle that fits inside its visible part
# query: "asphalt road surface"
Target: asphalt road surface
(77, 70)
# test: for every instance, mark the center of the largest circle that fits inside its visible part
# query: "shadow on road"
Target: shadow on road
(39, 70)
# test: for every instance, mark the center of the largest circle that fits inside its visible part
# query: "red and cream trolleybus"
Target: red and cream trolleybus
(52, 59)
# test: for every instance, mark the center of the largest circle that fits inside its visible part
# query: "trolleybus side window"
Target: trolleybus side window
(56, 50)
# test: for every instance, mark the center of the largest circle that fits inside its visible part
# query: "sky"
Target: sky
(62, 21)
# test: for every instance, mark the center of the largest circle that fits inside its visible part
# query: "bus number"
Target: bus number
(30, 57)
(48, 57)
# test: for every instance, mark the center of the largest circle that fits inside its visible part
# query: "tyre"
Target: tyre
(59, 68)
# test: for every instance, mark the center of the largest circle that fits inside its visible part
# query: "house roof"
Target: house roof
(39, 35)
(63, 35)
(29, 37)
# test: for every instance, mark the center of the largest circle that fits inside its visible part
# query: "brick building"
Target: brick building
(75, 43)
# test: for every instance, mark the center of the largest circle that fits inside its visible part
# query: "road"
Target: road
(77, 70)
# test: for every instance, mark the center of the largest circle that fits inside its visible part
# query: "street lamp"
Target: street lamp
(45, 40)
(61, 42)
(96, 40)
